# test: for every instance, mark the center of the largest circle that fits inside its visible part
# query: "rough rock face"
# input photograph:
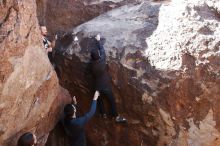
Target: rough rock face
(167, 86)
(185, 48)
(192, 29)
(66, 14)
(163, 58)
(124, 30)
(30, 96)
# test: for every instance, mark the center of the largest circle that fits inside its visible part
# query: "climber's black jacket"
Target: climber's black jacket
(99, 68)
(74, 127)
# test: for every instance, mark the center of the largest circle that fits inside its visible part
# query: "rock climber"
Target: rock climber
(47, 44)
(102, 80)
(27, 139)
(74, 126)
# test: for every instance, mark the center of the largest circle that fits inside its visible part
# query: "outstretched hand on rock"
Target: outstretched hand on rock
(96, 95)
(74, 100)
(76, 39)
(98, 37)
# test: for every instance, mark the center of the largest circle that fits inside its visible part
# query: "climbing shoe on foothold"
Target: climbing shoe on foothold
(120, 119)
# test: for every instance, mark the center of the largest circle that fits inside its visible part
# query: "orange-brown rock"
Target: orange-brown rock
(30, 96)
(163, 59)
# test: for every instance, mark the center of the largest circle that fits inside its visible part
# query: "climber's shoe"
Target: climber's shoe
(120, 119)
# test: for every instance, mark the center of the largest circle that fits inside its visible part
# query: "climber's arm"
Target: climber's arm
(74, 100)
(101, 48)
(89, 115)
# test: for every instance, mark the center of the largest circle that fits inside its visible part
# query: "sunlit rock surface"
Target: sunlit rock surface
(163, 58)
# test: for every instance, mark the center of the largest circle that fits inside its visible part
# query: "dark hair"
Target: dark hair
(27, 139)
(69, 110)
(95, 54)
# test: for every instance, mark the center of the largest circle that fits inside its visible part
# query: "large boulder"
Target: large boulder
(124, 31)
(193, 29)
(64, 15)
(167, 86)
(30, 96)
(185, 48)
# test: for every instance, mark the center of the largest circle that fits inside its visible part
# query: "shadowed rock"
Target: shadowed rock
(30, 95)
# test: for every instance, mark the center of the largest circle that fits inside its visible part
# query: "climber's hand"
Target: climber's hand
(76, 39)
(96, 95)
(74, 100)
(98, 37)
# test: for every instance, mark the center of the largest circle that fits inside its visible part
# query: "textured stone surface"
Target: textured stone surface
(30, 96)
(192, 29)
(164, 62)
(185, 48)
(66, 14)
(124, 31)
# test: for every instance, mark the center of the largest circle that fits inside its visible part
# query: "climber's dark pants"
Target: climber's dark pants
(107, 93)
